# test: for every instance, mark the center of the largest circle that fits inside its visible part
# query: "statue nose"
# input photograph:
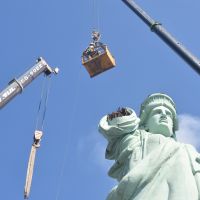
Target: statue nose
(163, 114)
(163, 117)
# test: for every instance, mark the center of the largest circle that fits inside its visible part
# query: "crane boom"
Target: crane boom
(156, 27)
(16, 85)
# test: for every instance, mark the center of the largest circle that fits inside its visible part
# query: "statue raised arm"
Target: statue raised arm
(119, 128)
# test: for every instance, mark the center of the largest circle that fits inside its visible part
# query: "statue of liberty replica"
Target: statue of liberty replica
(149, 163)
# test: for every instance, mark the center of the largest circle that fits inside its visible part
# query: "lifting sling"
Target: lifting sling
(36, 144)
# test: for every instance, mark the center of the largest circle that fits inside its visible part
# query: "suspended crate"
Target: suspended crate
(97, 58)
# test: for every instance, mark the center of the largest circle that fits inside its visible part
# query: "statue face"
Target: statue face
(160, 121)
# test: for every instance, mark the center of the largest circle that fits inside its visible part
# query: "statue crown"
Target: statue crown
(155, 100)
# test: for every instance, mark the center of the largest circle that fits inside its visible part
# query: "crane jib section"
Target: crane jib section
(160, 31)
(16, 85)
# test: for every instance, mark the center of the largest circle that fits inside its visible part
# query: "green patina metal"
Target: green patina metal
(149, 163)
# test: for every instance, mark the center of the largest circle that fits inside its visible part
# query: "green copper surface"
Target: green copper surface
(149, 163)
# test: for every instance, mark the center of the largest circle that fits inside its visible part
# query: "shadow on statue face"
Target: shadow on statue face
(160, 121)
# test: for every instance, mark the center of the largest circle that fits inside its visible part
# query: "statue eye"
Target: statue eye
(159, 111)
(169, 113)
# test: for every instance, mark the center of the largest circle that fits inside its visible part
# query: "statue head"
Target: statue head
(158, 115)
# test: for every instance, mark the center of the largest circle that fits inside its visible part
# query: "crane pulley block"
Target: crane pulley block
(37, 138)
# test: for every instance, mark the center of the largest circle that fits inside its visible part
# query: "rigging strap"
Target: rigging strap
(31, 162)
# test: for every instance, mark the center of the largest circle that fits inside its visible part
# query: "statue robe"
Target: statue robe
(151, 166)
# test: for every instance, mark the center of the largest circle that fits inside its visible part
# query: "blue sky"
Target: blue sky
(70, 163)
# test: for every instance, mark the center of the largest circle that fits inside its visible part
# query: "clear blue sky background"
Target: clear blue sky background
(70, 163)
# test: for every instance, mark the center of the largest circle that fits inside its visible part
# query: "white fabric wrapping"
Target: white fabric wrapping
(119, 125)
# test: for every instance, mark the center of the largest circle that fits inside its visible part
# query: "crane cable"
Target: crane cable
(77, 88)
(95, 16)
(44, 97)
(38, 134)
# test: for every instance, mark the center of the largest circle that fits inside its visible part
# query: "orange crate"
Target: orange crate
(99, 63)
